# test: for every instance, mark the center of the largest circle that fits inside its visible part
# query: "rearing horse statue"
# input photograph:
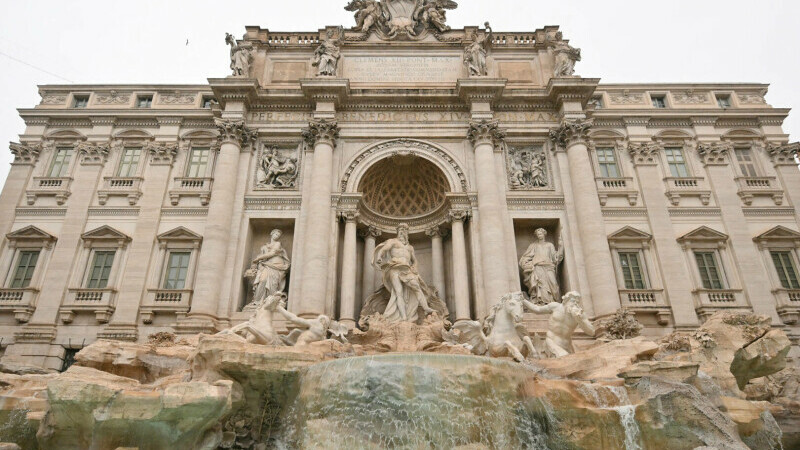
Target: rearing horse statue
(502, 333)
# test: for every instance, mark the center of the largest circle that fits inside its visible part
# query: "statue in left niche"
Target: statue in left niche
(475, 53)
(277, 171)
(241, 56)
(268, 270)
(326, 56)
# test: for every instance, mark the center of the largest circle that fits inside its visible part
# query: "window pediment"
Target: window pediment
(104, 234)
(703, 234)
(30, 235)
(629, 233)
(180, 234)
(779, 235)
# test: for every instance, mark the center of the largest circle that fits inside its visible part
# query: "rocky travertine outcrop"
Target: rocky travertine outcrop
(220, 392)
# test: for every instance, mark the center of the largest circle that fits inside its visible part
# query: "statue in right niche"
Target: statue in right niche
(539, 264)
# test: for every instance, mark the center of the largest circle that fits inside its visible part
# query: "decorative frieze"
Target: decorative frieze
(690, 97)
(626, 98)
(272, 203)
(527, 168)
(570, 132)
(25, 154)
(714, 153)
(751, 99)
(783, 154)
(235, 132)
(277, 168)
(113, 98)
(92, 153)
(644, 153)
(161, 153)
(321, 131)
(486, 132)
(177, 98)
(54, 99)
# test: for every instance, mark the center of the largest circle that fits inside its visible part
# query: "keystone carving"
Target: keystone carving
(570, 132)
(235, 131)
(644, 153)
(161, 153)
(25, 154)
(321, 130)
(714, 153)
(92, 153)
(486, 131)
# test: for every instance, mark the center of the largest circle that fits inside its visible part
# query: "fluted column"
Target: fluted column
(25, 158)
(234, 136)
(460, 277)
(321, 134)
(437, 261)
(368, 271)
(570, 136)
(486, 136)
(347, 310)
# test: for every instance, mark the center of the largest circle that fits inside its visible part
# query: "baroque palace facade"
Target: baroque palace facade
(133, 209)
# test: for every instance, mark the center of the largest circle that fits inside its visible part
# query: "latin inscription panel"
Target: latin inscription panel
(402, 69)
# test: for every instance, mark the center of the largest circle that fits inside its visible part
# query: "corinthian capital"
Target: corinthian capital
(713, 153)
(321, 130)
(644, 153)
(161, 153)
(93, 153)
(25, 154)
(783, 154)
(486, 131)
(571, 131)
(235, 131)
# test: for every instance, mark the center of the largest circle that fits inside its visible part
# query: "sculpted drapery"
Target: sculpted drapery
(539, 264)
(270, 268)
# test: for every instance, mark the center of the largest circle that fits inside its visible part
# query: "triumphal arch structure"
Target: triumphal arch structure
(355, 167)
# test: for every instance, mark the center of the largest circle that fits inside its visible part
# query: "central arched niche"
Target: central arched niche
(403, 186)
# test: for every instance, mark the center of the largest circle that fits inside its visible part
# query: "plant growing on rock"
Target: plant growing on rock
(622, 325)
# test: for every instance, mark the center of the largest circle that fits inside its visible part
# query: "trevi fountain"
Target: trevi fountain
(538, 366)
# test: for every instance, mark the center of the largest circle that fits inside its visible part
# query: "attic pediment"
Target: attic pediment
(105, 233)
(30, 233)
(704, 233)
(180, 234)
(629, 233)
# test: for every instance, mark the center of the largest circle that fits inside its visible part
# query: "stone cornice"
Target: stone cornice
(644, 153)
(321, 131)
(714, 153)
(486, 132)
(570, 132)
(235, 132)
(784, 154)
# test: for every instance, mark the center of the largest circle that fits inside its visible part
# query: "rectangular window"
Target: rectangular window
(676, 162)
(207, 101)
(608, 163)
(80, 101)
(177, 268)
(26, 264)
(129, 162)
(659, 101)
(198, 163)
(724, 101)
(745, 159)
(709, 270)
(60, 164)
(787, 272)
(101, 269)
(631, 270)
(144, 101)
(598, 102)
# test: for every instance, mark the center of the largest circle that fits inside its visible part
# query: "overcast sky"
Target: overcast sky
(105, 41)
